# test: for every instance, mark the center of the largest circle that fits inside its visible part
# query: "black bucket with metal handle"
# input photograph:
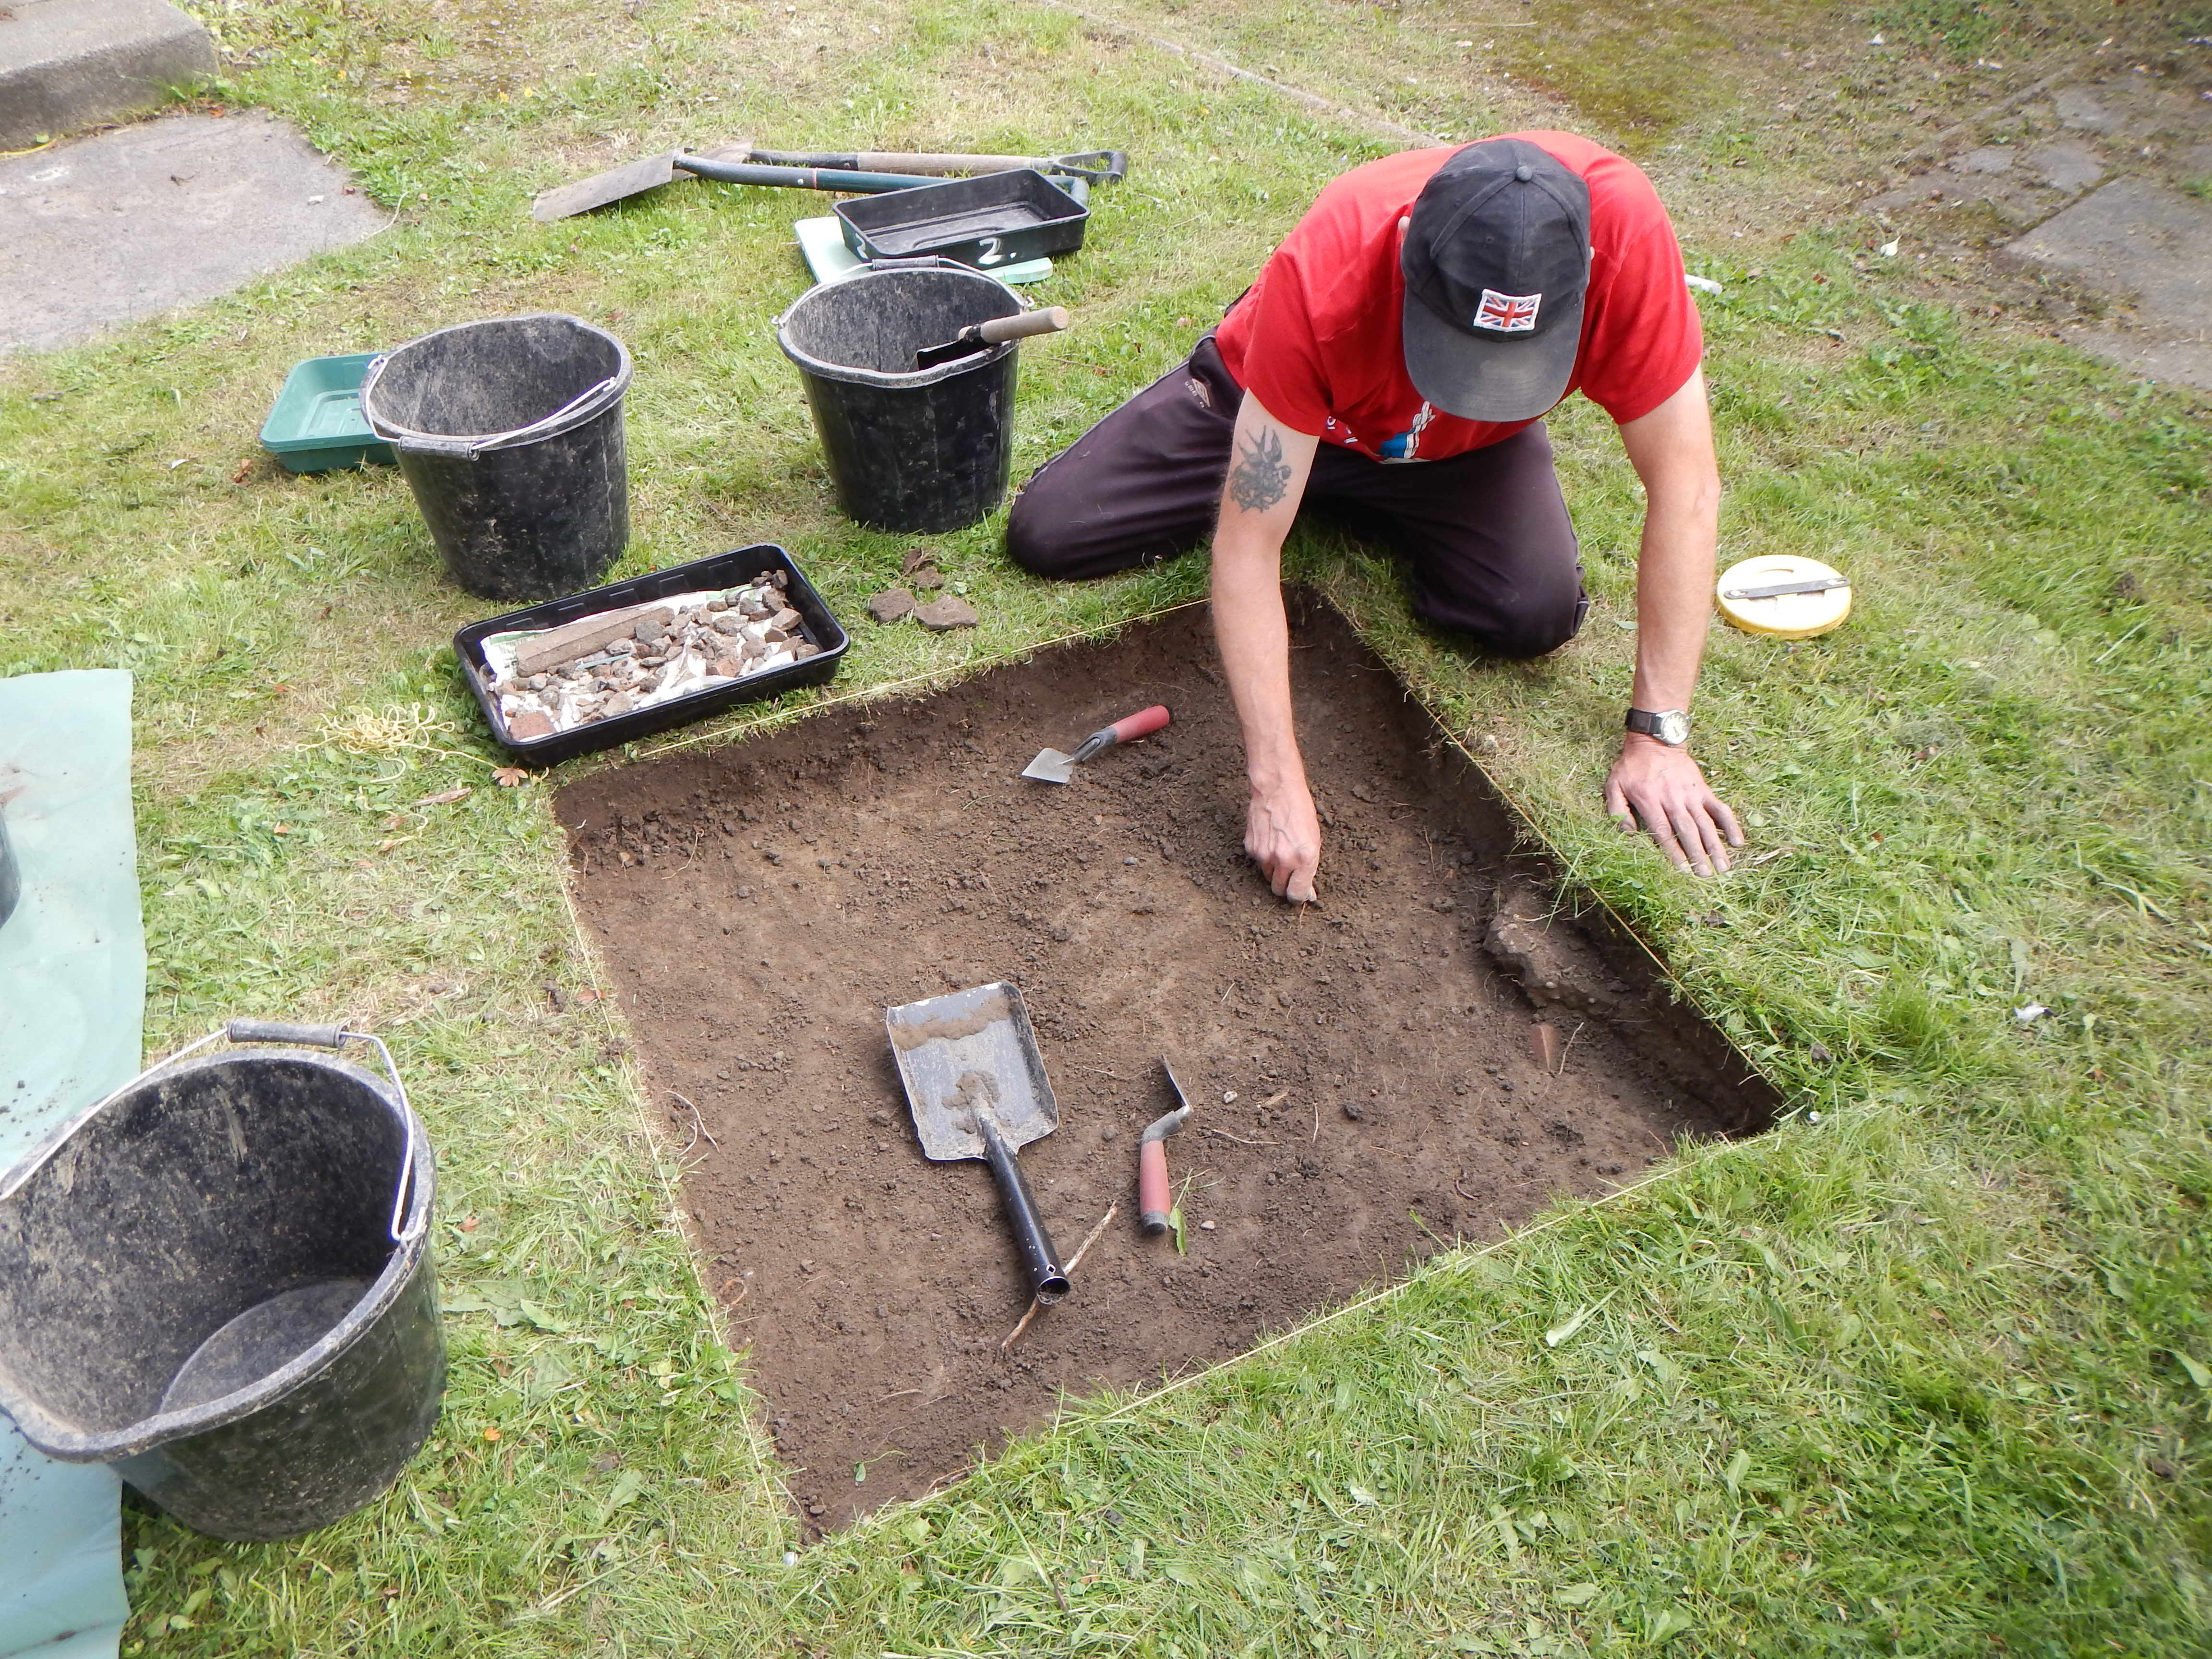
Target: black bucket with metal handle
(218, 1279)
(510, 433)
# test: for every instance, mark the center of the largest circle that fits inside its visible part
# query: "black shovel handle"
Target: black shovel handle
(1039, 1260)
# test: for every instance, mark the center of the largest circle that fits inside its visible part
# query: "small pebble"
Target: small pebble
(1108, 1133)
(1206, 1226)
(1228, 1098)
(1354, 1110)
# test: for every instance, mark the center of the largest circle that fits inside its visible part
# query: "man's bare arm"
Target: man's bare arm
(1672, 450)
(1267, 468)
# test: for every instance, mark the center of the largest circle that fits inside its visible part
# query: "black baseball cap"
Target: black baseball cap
(1496, 262)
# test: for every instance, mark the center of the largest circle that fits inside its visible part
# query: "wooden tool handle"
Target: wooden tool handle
(1022, 326)
(1153, 1203)
(938, 163)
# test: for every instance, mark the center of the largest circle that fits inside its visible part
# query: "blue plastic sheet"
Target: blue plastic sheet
(72, 1000)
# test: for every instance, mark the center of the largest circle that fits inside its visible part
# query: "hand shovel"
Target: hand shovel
(1051, 767)
(982, 337)
(975, 1084)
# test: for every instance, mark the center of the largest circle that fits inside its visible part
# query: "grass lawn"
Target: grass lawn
(1926, 1371)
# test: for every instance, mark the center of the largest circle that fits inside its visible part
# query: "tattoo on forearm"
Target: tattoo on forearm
(1257, 482)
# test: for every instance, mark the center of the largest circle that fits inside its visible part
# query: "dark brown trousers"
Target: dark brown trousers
(1492, 552)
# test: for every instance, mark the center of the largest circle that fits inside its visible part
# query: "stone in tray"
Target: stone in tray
(553, 680)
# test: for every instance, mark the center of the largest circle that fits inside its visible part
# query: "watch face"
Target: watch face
(1673, 727)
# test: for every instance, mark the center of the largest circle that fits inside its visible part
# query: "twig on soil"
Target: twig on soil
(1315, 1135)
(1074, 1262)
(1275, 1100)
(896, 1394)
(698, 1127)
(1092, 1237)
(1209, 1130)
(1569, 1049)
(1462, 1191)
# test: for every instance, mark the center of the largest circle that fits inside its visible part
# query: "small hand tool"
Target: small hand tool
(1153, 1199)
(982, 337)
(1050, 766)
(975, 1083)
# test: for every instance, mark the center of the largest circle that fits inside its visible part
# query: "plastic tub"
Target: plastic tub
(914, 451)
(510, 434)
(316, 424)
(999, 219)
(723, 570)
(218, 1279)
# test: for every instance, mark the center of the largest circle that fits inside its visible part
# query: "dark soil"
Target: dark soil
(1367, 1082)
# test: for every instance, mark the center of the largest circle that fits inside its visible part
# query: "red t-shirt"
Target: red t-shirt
(1317, 338)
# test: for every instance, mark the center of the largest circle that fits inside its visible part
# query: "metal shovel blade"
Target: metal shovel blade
(1050, 766)
(968, 1052)
(619, 184)
(565, 201)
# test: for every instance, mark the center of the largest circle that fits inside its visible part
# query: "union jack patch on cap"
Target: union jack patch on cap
(1508, 314)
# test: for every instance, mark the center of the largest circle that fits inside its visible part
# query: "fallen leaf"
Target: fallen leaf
(1575, 1596)
(2198, 1373)
(915, 559)
(445, 798)
(510, 777)
(491, 1434)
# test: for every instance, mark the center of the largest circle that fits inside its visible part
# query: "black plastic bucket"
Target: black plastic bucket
(914, 451)
(510, 433)
(218, 1279)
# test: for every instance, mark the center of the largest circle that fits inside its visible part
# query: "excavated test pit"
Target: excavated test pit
(1367, 1083)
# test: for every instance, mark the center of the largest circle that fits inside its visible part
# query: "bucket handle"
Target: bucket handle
(270, 1031)
(464, 449)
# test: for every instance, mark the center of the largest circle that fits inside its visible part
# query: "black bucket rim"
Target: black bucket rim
(901, 379)
(585, 407)
(410, 1254)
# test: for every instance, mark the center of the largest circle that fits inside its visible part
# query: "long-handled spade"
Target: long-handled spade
(857, 173)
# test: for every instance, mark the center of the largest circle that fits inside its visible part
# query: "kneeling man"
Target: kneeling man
(1394, 359)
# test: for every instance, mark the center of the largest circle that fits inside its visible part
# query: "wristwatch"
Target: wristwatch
(1670, 725)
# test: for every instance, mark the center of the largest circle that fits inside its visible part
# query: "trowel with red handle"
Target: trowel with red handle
(1051, 767)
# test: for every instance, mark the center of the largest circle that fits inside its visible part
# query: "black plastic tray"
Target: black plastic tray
(723, 570)
(1000, 218)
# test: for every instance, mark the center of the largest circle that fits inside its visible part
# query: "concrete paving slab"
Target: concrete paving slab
(69, 64)
(2143, 243)
(130, 223)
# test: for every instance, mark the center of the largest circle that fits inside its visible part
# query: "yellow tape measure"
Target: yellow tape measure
(1784, 596)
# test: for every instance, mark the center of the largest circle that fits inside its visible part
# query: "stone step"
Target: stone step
(66, 65)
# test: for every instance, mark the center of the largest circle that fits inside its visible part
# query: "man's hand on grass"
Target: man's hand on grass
(1661, 786)
(1282, 832)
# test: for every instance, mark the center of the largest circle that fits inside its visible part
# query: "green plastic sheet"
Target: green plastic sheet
(72, 1002)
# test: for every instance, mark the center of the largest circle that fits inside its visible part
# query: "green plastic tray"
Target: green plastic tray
(317, 423)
